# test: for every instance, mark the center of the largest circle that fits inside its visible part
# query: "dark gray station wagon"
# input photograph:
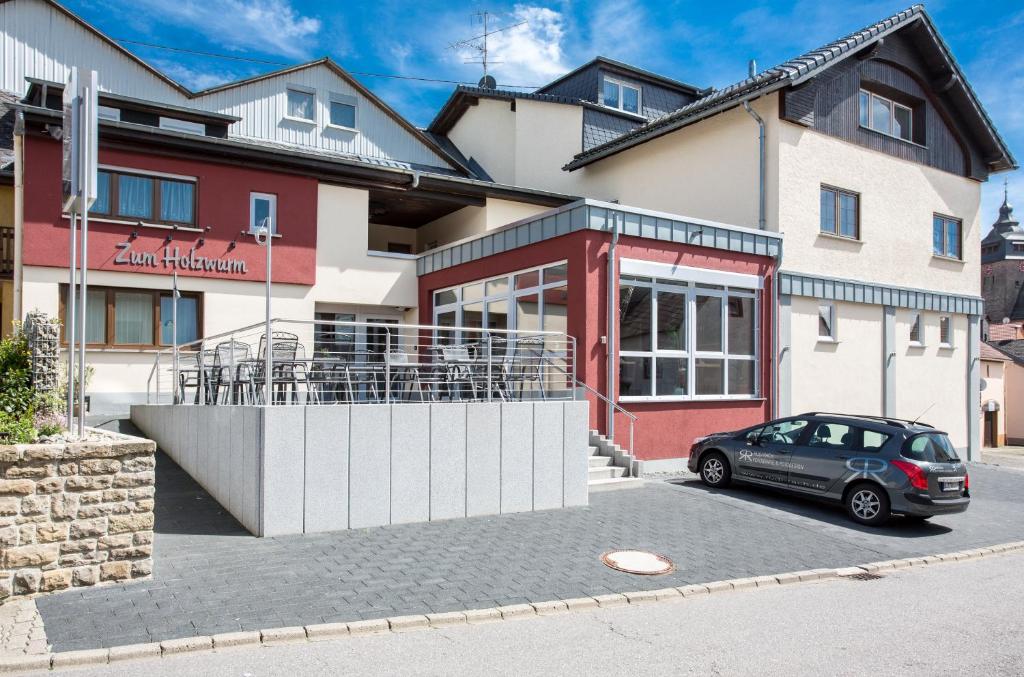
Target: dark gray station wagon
(875, 466)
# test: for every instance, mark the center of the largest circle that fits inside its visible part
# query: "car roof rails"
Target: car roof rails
(899, 422)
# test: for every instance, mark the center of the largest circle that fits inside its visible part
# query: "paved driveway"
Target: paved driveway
(211, 576)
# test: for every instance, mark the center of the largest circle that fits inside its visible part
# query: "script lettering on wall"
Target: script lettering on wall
(173, 259)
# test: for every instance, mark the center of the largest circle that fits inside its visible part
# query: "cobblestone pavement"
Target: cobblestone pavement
(21, 628)
(211, 576)
(1009, 457)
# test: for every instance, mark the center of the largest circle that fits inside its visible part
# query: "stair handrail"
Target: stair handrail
(617, 407)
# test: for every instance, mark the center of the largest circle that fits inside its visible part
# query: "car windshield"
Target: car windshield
(931, 448)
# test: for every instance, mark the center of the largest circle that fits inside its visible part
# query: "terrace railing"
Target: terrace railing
(336, 362)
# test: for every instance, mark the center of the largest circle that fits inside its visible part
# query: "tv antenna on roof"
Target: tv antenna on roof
(478, 43)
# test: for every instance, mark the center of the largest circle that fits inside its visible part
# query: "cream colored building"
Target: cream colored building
(871, 146)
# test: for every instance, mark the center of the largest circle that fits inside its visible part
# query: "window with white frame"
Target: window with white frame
(618, 94)
(945, 332)
(946, 236)
(342, 111)
(680, 339)
(826, 322)
(301, 104)
(915, 330)
(262, 207)
(535, 299)
(886, 116)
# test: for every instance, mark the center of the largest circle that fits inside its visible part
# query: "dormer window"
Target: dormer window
(301, 105)
(886, 116)
(616, 94)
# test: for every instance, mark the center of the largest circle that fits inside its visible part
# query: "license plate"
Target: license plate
(950, 486)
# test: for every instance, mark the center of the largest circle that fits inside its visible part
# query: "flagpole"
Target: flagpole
(83, 156)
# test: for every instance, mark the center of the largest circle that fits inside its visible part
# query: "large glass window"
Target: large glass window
(145, 198)
(531, 300)
(885, 116)
(136, 317)
(680, 340)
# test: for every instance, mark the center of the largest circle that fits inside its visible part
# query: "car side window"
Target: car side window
(873, 441)
(785, 432)
(831, 435)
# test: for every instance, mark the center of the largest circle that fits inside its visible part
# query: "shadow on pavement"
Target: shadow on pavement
(181, 505)
(817, 509)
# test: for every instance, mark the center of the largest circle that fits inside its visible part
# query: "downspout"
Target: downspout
(762, 168)
(19, 211)
(612, 318)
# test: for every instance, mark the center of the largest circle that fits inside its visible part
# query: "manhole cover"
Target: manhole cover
(638, 562)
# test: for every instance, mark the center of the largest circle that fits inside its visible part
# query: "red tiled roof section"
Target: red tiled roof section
(1005, 332)
(990, 353)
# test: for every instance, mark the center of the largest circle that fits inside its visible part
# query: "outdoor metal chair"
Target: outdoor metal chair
(231, 372)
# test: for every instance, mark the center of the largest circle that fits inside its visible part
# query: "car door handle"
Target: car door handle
(784, 451)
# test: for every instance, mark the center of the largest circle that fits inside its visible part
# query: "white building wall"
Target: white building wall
(40, 41)
(897, 201)
(262, 106)
(486, 133)
(930, 380)
(845, 376)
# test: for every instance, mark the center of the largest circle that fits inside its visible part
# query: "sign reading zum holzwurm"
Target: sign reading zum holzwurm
(173, 259)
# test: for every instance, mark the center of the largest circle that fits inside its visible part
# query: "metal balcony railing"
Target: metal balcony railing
(334, 362)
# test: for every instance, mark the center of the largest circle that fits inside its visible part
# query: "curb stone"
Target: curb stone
(277, 636)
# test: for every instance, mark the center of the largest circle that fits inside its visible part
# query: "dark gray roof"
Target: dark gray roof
(1012, 348)
(791, 72)
(7, 117)
(633, 70)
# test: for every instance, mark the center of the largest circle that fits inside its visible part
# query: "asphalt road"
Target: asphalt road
(939, 619)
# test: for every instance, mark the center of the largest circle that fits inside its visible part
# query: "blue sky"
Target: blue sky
(706, 44)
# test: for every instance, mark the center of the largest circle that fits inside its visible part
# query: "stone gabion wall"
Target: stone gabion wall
(75, 514)
(43, 334)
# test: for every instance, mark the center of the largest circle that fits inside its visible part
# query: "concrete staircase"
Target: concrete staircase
(609, 465)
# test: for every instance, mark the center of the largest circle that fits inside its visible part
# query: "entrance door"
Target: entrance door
(991, 437)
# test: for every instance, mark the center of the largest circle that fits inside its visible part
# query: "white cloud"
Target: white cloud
(529, 54)
(266, 26)
(194, 78)
(620, 29)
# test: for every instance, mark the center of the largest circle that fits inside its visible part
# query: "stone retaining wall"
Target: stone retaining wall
(75, 514)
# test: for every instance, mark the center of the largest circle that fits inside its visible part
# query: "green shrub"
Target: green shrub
(17, 397)
(24, 413)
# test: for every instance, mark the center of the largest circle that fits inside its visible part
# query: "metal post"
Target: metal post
(83, 283)
(268, 228)
(489, 365)
(157, 381)
(71, 328)
(231, 368)
(201, 380)
(174, 339)
(387, 366)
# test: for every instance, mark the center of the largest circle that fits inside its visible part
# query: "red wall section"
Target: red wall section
(663, 429)
(222, 196)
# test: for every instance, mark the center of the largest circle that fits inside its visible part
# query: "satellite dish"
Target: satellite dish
(1006, 320)
(488, 82)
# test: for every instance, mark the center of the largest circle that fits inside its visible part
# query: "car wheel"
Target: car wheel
(868, 504)
(714, 470)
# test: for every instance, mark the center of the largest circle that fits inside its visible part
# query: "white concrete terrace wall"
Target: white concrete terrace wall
(297, 469)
